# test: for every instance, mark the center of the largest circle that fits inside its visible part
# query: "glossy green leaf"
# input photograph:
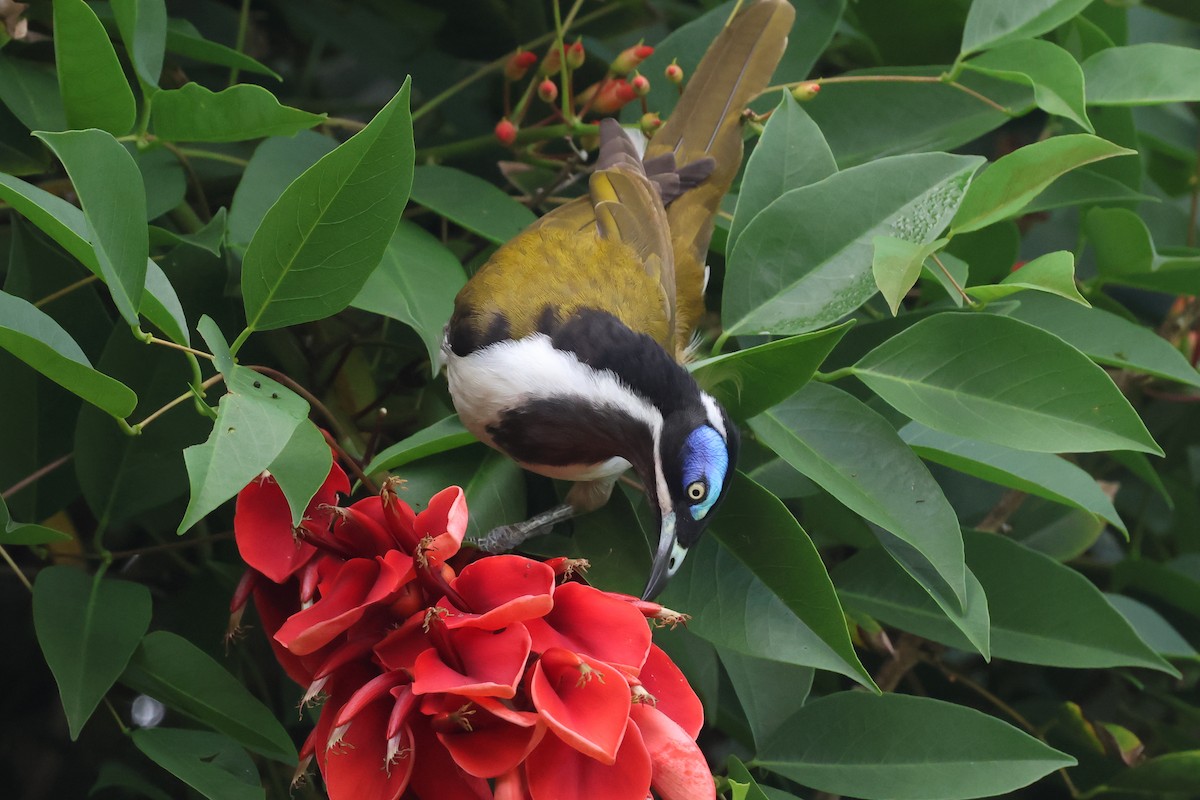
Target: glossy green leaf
(1046, 613)
(791, 153)
(183, 39)
(415, 284)
(1107, 338)
(763, 590)
(208, 762)
(95, 93)
(804, 261)
(1152, 628)
(1053, 273)
(66, 224)
(245, 111)
(26, 533)
(469, 201)
(748, 382)
(873, 583)
(30, 92)
(183, 677)
(110, 189)
(1126, 254)
(1083, 187)
(896, 265)
(495, 494)
(88, 627)
(276, 162)
(320, 241)
(1010, 183)
(301, 467)
(39, 341)
(163, 179)
(1054, 75)
(1159, 580)
(1142, 74)
(1065, 537)
(742, 783)
(991, 23)
(1041, 474)
(972, 375)
(218, 345)
(443, 435)
(210, 238)
(1170, 775)
(757, 681)
(255, 421)
(143, 26)
(855, 455)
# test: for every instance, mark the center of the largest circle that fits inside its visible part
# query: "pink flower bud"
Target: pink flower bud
(518, 64)
(575, 54)
(629, 58)
(548, 91)
(506, 132)
(640, 85)
(674, 73)
(806, 91)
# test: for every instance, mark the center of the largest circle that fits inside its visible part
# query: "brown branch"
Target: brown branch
(997, 518)
(907, 656)
(35, 476)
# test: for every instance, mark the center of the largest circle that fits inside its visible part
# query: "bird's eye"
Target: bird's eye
(696, 490)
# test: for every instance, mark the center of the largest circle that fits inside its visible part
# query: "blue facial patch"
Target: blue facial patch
(705, 459)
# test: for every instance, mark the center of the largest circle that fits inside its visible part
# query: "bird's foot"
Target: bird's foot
(507, 537)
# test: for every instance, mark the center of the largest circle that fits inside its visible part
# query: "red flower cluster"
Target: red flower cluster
(502, 680)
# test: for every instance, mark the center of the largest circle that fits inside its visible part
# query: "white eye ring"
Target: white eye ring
(696, 490)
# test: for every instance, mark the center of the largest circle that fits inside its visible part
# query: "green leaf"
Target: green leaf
(94, 91)
(320, 241)
(1170, 775)
(110, 190)
(210, 763)
(445, 434)
(245, 111)
(116, 775)
(184, 40)
(1056, 78)
(31, 93)
(856, 456)
(1041, 474)
(1152, 628)
(143, 26)
(1107, 338)
(87, 628)
(1159, 580)
(991, 23)
(1083, 187)
(255, 422)
(951, 273)
(973, 375)
(26, 533)
(495, 494)
(210, 238)
(791, 153)
(872, 583)
(756, 681)
(764, 591)
(804, 261)
(275, 164)
(163, 179)
(896, 265)
(183, 677)
(1126, 254)
(39, 341)
(218, 345)
(1010, 183)
(748, 382)
(302, 467)
(742, 783)
(1053, 273)
(1142, 74)
(905, 748)
(470, 202)
(415, 284)
(1046, 613)
(66, 224)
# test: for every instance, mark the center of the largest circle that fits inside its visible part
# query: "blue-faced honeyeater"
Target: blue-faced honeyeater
(564, 350)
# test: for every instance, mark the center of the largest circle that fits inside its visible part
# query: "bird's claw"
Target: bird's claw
(503, 538)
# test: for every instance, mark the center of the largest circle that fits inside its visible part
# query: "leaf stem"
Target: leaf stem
(212, 155)
(181, 398)
(942, 79)
(35, 476)
(167, 343)
(836, 375)
(66, 290)
(240, 340)
(240, 43)
(950, 278)
(487, 140)
(16, 570)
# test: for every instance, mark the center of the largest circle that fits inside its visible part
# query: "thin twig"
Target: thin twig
(150, 549)
(16, 570)
(167, 343)
(193, 178)
(997, 518)
(35, 476)
(891, 79)
(950, 278)
(240, 44)
(180, 399)
(66, 290)
(907, 655)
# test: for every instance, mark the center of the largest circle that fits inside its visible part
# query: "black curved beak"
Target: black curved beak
(667, 558)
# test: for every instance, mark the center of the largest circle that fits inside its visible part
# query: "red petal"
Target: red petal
(557, 772)
(492, 746)
(436, 776)
(584, 701)
(672, 692)
(445, 519)
(356, 769)
(680, 771)
(262, 526)
(588, 621)
(492, 663)
(511, 786)
(400, 648)
(501, 590)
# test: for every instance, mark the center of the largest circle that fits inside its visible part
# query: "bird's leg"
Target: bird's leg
(583, 497)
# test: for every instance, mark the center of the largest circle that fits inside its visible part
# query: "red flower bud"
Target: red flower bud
(640, 85)
(608, 95)
(575, 54)
(518, 64)
(674, 73)
(506, 132)
(548, 91)
(806, 91)
(552, 63)
(629, 58)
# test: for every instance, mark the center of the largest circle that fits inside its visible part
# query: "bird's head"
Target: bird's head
(694, 459)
